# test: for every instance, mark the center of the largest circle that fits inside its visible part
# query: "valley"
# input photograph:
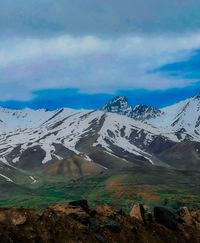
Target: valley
(117, 155)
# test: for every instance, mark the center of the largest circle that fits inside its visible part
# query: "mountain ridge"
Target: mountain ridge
(73, 138)
(120, 105)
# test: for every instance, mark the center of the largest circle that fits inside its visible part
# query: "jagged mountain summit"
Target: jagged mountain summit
(81, 142)
(121, 106)
(183, 116)
(144, 112)
(118, 104)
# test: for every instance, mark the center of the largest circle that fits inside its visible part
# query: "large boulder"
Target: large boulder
(138, 212)
(112, 225)
(13, 216)
(74, 212)
(64, 209)
(196, 217)
(18, 219)
(186, 216)
(165, 217)
(105, 210)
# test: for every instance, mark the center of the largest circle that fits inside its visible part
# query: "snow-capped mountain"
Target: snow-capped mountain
(110, 132)
(19, 119)
(184, 115)
(120, 105)
(95, 140)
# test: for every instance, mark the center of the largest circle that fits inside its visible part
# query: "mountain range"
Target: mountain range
(83, 142)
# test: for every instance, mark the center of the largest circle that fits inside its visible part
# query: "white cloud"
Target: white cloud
(19, 49)
(91, 64)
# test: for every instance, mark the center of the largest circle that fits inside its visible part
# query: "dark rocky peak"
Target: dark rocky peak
(118, 104)
(140, 112)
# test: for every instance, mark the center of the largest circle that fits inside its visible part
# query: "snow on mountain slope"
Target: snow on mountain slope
(10, 174)
(109, 131)
(6, 178)
(64, 129)
(20, 119)
(34, 138)
(144, 112)
(117, 130)
(184, 115)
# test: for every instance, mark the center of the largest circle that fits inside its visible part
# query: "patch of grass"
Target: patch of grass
(122, 187)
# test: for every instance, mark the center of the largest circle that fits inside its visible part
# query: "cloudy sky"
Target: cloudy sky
(81, 53)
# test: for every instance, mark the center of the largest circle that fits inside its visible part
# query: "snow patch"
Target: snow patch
(7, 178)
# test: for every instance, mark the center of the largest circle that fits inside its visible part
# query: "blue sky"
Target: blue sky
(82, 53)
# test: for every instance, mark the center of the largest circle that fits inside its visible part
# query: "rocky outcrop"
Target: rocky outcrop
(138, 212)
(196, 218)
(76, 222)
(186, 216)
(105, 210)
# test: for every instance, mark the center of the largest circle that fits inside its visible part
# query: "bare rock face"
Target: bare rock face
(13, 216)
(196, 217)
(138, 212)
(66, 209)
(105, 210)
(18, 219)
(186, 216)
(75, 212)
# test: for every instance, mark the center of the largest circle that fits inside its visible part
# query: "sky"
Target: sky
(80, 54)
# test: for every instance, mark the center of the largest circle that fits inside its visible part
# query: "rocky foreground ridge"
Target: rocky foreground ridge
(76, 222)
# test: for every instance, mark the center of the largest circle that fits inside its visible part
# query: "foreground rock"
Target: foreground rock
(186, 216)
(76, 222)
(138, 212)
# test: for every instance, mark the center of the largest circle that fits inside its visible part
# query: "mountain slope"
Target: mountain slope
(80, 134)
(182, 156)
(20, 119)
(119, 135)
(183, 115)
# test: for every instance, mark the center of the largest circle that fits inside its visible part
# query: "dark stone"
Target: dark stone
(80, 218)
(93, 213)
(99, 238)
(134, 230)
(95, 225)
(165, 217)
(149, 217)
(113, 225)
(80, 203)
